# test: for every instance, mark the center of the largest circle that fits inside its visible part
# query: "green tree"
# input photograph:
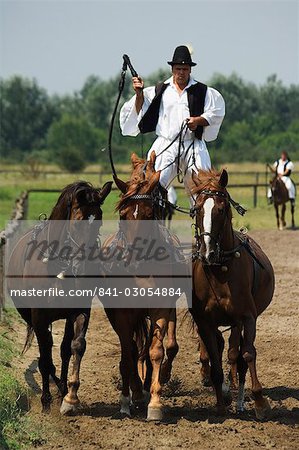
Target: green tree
(71, 159)
(26, 113)
(74, 133)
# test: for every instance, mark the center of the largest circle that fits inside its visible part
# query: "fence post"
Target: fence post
(254, 195)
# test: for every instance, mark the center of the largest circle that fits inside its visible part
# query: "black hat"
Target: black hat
(181, 56)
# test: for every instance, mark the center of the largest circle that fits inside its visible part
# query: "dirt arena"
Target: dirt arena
(190, 419)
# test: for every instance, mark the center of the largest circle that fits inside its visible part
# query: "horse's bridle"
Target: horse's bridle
(198, 235)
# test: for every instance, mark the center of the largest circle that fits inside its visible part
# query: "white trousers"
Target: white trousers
(290, 187)
(194, 156)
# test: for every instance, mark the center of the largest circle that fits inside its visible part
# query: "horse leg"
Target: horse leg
(156, 353)
(205, 369)
(293, 211)
(262, 406)
(225, 387)
(233, 354)
(172, 348)
(65, 354)
(212, 343)
(242, 368)
(139, 397)
(283, 213)
(277, 215)
(45, 363)
(71, 401)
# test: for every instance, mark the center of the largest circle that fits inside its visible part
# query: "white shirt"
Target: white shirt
(281, 166)
(173, 111)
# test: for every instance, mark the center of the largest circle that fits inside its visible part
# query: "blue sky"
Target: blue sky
(61, 43)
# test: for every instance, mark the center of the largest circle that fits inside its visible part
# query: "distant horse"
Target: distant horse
(78, 201)
(280, 198)
(233, 282)
(141, 201)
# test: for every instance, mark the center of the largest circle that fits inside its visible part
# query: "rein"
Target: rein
(126, 64)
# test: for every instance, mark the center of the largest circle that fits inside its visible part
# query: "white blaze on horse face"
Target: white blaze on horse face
(135, 214)
(207, 221)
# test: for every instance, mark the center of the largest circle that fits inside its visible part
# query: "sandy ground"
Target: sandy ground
(190, 419)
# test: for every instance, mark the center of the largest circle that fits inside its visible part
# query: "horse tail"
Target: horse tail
(143, 336)
(29, 339)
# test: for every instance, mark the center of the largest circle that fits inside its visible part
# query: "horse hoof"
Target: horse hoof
(46, 409)
(125, 406)
(221, 411)
(206, 382)
(227, 396)
(262, 411)
(68, 409)
(141, 403)
(154, 414)
(240, 409)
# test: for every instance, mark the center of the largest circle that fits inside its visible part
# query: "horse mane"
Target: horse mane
(69, 194)
(207, 179)
(136, 181)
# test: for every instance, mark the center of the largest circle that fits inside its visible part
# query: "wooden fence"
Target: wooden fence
(21, 207)
(253, 186)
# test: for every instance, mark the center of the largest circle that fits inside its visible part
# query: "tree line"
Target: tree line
(72, 130)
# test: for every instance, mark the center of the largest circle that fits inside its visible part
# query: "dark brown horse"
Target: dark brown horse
(78, 202)
(138, 203)
(233, 282)
(280, 197)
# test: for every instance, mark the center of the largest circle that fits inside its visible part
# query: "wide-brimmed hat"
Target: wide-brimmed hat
(182, 56)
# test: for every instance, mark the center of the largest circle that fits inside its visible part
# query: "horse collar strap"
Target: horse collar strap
(141, 197)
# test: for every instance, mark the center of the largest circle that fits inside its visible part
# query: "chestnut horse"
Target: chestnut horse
(78, 201)
(280, 197)
(233, 282)
(139, 202)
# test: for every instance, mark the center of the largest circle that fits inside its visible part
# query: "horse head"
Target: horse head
(212, 210)
(139, 194)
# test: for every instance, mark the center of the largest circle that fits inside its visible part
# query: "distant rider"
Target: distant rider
(283, 167)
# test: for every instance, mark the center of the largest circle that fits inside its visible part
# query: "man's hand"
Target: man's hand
(138, 85)
(194, 122)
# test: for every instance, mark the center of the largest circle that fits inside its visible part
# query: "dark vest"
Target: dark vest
(196, 101)
(284, 167)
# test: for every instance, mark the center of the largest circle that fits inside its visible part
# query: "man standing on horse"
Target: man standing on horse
(283, 168)
(184, 114)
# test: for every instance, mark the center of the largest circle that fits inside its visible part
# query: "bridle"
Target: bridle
(63, 263)
(199, 235)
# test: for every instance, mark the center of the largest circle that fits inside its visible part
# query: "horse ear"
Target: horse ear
(154, 181)
(122, 185)
(151, 162)
(106, 189)
(152, 159)
(223, 180)
(135, 160)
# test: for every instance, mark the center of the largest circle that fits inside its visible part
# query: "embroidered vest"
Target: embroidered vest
(196, 100)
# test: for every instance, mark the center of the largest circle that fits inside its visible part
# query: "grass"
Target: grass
(17, 431)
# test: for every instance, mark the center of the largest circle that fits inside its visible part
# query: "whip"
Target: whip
(126, 64)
